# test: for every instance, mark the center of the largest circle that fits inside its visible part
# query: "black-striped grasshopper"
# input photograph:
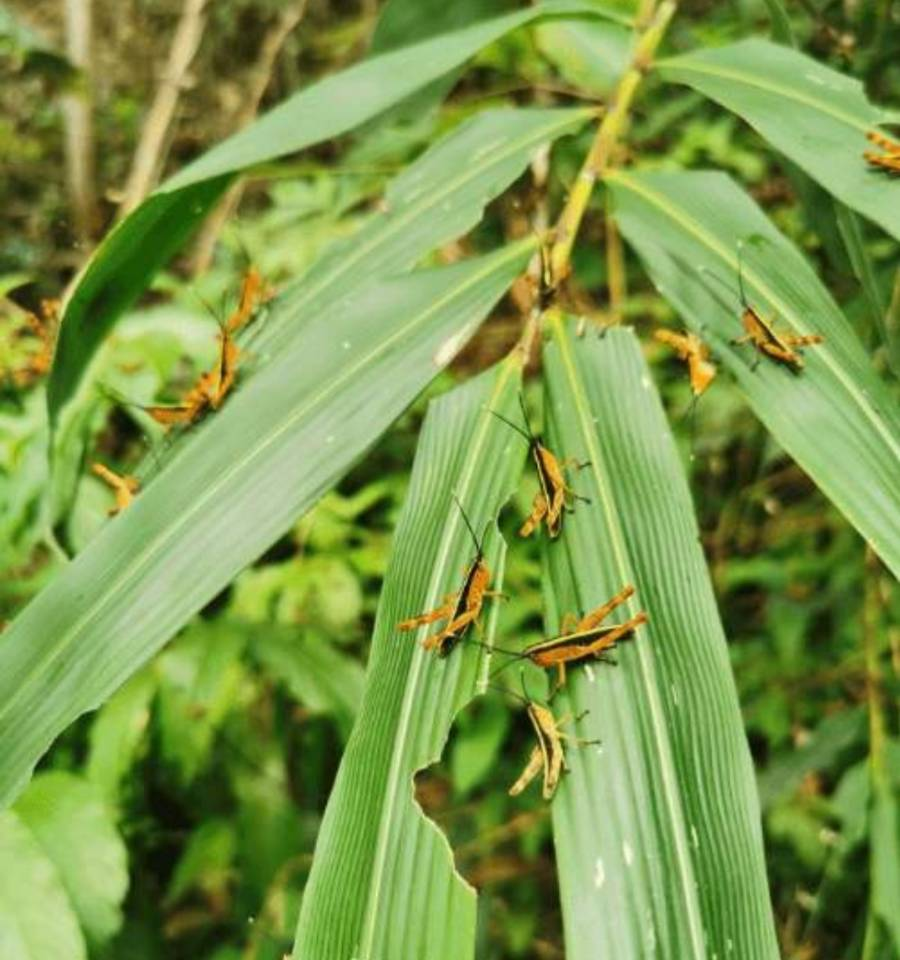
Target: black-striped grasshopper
(554, 494)
(460, 609)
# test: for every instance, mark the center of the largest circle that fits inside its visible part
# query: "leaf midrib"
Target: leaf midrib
(415, 210)
(395, 773)
(750, 80)
(668, 774)
(212, 491)
(709, 241)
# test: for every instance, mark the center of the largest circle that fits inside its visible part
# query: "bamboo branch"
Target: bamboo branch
(79, 129)
(260, 77)
(148, 155)
(600, 156)
(615, 268)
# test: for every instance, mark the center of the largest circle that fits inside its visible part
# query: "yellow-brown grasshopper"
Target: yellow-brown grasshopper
(548, 755)
(554, 494)
(460, 609)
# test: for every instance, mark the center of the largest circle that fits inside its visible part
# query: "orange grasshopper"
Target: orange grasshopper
(762, 334)
(212, 387)
(460, 609)
(208, 393)
(766, 340)
(253, 294)
(552, 499)
(689, 347)
(586, 638)
(548, 755)
(888, 161)
(124, 487)
(43, 329)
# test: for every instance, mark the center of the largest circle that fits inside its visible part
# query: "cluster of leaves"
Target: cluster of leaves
(202, 760)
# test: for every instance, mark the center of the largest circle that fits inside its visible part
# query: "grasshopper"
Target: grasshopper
(124, 487)
(586, 638)
(460, 609)
(548, 754)
(553, 496)
(763, 335)
(689, 347)
(888, 161)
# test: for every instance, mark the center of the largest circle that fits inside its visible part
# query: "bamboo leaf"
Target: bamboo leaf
(836, 418)
(436, 199)
(439, 197)
(811, 113)
(123, 264)
(221, 500)
(657, 830)
(382, 883)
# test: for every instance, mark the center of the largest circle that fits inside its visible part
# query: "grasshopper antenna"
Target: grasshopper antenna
(740, 261)
(692, 425)
(509, 693)
(478, 546)
(509, 423)
(524, 410)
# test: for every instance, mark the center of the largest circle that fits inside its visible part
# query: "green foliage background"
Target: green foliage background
(181, 817)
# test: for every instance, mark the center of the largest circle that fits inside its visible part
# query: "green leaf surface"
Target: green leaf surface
(316, 673)
(70, 820)
(657, 830)
(123, 264)
(811, 113)
(884, 839)
(439, 197)
(382, 883)
(836, 418)
(118, 731)
(221, 500)
(199, 676)
(436, 199)
(591, 56)
(36, 917)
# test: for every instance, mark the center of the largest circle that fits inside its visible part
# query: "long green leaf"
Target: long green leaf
(382, 883)
(836, 418)
(814, 115)
(436, 199)
(262, 460)
(123, 264)
(657, 830)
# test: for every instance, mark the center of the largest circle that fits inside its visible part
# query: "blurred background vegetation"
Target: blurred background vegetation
(212, 766)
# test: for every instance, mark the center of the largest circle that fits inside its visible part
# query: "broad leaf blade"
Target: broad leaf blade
(36, 916)
(123, 264)
(262, 460)
(439, 197)
(382, 883)
(814, 115)
(657, 830)
(436, 199)
(836, 417)
(69, 819)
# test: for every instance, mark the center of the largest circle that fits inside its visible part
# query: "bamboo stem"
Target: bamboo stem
(259, 80)
(79, 127)
(615, 268)
(599, 158)
(148, 156)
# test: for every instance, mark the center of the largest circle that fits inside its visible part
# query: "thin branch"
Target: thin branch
(260, 77)
(148, 156)
(79, 128)
(600, 156)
